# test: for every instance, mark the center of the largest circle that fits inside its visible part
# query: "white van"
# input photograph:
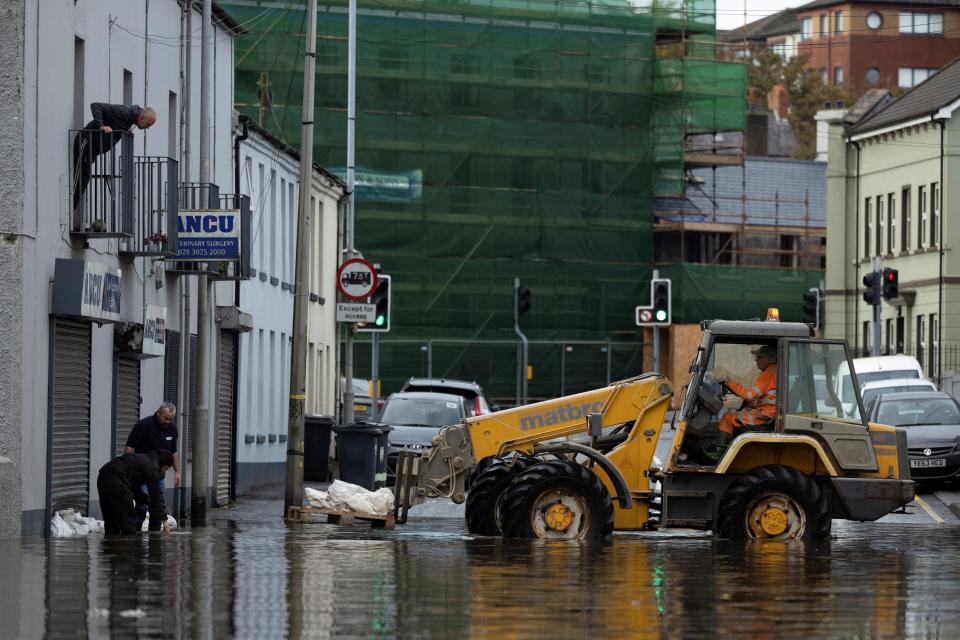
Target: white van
(871, 370)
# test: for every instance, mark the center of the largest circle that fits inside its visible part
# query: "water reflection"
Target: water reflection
(431, 580)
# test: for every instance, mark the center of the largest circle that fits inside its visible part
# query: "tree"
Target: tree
(806, 89)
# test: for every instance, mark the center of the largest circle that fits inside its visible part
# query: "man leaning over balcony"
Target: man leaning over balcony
(110, 122)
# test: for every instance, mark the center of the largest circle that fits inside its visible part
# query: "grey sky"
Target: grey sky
(730, 12)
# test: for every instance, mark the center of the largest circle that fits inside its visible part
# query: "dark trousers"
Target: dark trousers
(116, 503)
(87, 147)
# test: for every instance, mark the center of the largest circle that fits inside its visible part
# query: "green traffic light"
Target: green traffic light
(380, 321)
(661, 315)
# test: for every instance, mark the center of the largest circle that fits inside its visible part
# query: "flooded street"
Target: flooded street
(430, 579)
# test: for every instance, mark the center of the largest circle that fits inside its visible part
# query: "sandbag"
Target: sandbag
(67, 523)
(343, 496)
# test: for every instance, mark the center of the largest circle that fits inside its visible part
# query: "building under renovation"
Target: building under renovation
(532, 140)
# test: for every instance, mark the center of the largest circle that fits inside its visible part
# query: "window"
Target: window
(874, 20)
(892, 217)
(838, 22)
(806, 28)
(79, 104)
(935, 218)
(921, 23)
(866, 338)
(912, 76)
(905, 227)
(824, 25)
(867, 226)
(838, 75)
(881, 223)
(921, 338)
(872, 76)
(934, 347)
(889, 343)
(921, 217)
(812, 371)
(780, 49)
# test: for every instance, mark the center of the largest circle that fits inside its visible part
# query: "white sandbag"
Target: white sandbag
(146, 522)
(67, 522)
(359, 500)
(318, 499)
(59, 528)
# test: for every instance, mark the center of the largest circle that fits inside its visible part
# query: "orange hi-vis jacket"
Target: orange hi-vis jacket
(761, 401)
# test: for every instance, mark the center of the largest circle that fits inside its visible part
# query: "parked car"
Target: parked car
(415, 417)
(362, 403)
(476, 402)
(871, 390)
(872, 369)
(932, 422)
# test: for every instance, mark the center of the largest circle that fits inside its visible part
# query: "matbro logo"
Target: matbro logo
(564, 413)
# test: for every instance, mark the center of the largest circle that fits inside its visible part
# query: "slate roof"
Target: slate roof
(776, 24)
(935, 92)
(917, 3)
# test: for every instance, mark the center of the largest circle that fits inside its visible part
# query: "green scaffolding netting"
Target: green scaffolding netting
(500, 140)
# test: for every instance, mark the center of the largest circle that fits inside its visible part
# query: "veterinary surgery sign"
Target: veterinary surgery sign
(208, 234)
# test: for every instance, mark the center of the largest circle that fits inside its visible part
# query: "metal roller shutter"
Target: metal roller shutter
(127, 401)
(224, 426)
(171, 369)
(70, 416)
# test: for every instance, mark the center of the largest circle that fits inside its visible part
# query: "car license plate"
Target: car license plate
(360, 408)
(921, 463)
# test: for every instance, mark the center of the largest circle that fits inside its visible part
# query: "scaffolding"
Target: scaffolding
(500, 139)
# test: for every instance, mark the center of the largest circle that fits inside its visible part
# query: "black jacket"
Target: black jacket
(119, 117)
(138, 469)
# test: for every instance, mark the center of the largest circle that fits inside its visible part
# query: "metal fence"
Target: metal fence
(101, 183)
(156, 206)
(558, 367)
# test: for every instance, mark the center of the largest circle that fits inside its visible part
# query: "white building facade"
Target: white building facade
(78, 289)
(270, 173)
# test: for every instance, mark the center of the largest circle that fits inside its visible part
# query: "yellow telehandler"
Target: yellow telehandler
(579, 466)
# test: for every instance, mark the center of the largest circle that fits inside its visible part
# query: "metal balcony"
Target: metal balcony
(101, 183)
(156, 205)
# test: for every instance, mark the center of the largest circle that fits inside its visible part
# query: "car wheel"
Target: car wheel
(774, 502)
(485, 497)
(557, 499)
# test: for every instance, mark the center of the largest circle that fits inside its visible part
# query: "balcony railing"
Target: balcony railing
(156, 205)
(101, 183)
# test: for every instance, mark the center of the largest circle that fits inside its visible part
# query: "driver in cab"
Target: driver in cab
(761, 400)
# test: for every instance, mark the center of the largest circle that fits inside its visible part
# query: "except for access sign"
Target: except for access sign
(356, 312)
(356, 279)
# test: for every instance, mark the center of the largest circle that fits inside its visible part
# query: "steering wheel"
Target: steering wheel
(713, 402)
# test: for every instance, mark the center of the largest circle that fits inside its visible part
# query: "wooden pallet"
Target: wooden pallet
(306, 514)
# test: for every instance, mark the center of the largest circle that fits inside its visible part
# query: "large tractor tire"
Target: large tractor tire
(557, 499)
(485, 496)
(774, 502)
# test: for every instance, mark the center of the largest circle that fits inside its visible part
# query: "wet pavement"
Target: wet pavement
(249, 575)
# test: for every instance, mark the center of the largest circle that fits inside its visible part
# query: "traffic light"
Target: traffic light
(523, 300)
(380, 298)
(891, 283)
(871, 282)
(811, 307)
(660, 301)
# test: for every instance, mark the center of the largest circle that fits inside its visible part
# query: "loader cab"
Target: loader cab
(806, 386)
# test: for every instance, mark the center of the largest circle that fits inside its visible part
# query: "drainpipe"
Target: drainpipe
(244, 122)
(943, 126)
(856, 263)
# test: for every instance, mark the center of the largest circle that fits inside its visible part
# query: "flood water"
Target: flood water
(429, 579)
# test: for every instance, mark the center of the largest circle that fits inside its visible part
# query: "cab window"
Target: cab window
(813, 387)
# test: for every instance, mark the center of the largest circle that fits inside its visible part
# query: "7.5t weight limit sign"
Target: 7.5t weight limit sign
(356, 279)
